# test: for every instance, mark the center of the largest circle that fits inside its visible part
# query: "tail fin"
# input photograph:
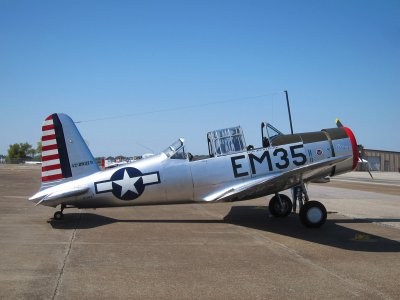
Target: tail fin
(65, 155)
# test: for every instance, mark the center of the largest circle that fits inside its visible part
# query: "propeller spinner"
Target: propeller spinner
(359, 149)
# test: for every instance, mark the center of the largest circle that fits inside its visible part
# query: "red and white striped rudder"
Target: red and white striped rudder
(65, 154)
(51, 167)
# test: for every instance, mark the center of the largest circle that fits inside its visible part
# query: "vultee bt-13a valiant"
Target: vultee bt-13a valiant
(233, 171)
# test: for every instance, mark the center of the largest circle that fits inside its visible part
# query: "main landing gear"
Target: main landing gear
(58, 215)
(312, 213)
(280, 206)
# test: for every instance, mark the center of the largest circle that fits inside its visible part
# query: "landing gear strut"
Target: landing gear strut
(300, 196)
(312, 213)
(58, 215)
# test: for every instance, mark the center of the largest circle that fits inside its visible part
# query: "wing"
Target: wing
(272, 183)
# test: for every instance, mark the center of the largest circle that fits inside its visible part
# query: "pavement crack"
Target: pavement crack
(61, 273)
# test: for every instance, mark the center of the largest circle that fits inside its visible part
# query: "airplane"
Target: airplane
(28, 162)
(108, 164)
(232, 171)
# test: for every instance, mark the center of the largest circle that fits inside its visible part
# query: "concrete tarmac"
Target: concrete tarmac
(200, 251)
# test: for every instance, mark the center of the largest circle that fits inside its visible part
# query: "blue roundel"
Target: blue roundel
(127, 183)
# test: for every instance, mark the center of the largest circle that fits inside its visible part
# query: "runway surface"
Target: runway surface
(209, 251)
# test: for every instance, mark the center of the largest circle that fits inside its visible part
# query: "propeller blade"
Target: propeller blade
(338, 123)
(369, 172)
(369, 169)
(360, 152)
(360, 155)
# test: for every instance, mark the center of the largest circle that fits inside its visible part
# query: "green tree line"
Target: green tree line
(23, 151)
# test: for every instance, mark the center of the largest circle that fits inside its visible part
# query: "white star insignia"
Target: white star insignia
(127, 184)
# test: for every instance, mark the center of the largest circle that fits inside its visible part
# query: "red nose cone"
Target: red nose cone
(354, 146)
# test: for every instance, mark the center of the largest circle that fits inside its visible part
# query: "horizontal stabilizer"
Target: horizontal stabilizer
(53, 197)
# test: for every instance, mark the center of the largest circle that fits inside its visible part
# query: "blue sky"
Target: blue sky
(99, 59)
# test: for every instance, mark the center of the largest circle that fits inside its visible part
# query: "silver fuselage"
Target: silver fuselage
(164, 180)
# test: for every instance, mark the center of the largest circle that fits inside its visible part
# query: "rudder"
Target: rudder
(65, 155)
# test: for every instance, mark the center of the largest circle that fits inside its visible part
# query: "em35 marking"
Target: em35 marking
(296, 157)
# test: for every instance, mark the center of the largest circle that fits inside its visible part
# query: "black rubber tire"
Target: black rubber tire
(313, 214)
(275, 208)
(58, 215)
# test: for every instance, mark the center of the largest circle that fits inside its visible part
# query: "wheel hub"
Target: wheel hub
(314, 215)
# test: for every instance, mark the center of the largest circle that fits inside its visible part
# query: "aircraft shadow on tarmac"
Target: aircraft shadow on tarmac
(331, 234)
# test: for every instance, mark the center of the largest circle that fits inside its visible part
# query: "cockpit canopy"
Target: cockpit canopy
(226, 141)
(269, 133)
(174, 148)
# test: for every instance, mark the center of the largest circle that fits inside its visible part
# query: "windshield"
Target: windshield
(268, 133)
(176, 146)
(272, 131)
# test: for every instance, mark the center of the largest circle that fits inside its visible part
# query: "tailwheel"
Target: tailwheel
(280, 206)
(58, 215)
(313, 214)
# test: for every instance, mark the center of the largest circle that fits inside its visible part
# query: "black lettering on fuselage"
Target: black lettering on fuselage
(253, 158)
(303, 158)
(282, 160)
(236, 166)
(283, 157)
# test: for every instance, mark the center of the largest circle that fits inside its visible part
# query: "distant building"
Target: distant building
(380, 160)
